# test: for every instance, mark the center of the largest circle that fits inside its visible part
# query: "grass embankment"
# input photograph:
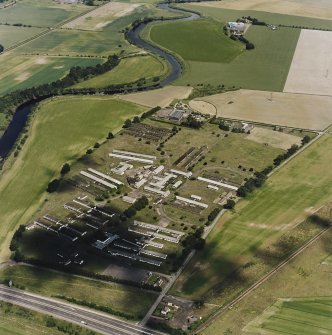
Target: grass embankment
(15, 320)
(61, 131)
(212, 58)
(286, 199)
(20, 72)
(119, 298)
(129, 70)
(270, 309)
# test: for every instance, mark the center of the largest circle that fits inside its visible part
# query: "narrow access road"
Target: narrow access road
(97, 321)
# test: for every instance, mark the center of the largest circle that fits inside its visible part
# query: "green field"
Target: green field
(37, 13)
(22, 72)
(129, 70)
(272, 304)
(200, 41)
(10, 36)
(296, 316)
(16, 320)
(120, 298)
(283, 201)
(62, 130)
(210, 57)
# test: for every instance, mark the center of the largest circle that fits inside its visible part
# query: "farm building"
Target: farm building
(236, 27)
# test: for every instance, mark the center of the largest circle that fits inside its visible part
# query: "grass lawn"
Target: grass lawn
(121, 298)
(292, 301)
(201, 41)
(9, 35)
(283, 202)
(129, 70)
(16, 320)
(61, 131)
(22, 72)
(37, 13)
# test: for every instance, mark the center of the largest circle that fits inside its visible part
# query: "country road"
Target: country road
(99, 322)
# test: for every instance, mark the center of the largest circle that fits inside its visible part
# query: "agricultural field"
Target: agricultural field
(200, 41)
(15, 320)
(161, 97)
(266, 310)
(285, 200)
(62, 129)
(307, 8)
(285, 109)
(264, 68)
(306, 76)
(10, 35)
(129, 70)
(22, 72)
(119, 298)
(46, 13)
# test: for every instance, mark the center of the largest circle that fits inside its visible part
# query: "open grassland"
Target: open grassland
(264, 68)
(20, 72)
(283, 202)
(102, 16)
(9, 35)
(61, 131)
(129, 70)
(118, 297)
(295, 316)
(161, 97)
(223, 15)
(201, 41)
(16, 320)
(304, 277)
(286, 109)
(317, 9)
(308, 76)
(37, 13)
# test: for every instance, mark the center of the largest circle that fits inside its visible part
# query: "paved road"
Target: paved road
(96, 321)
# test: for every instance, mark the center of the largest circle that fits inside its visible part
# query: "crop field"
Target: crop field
(36, 13)
(223, 14)
(265, 68)
(303, 67)
(22, 72)
(285, 109)
(295, 316)
(284, 201)
(161, 97)
(15, 320)
(307, 8)
(61, 131)
(10, 35)
(129, 70)
(102, 16)
(200, 41)
(305, 278)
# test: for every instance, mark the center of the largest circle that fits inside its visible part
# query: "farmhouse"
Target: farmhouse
(236, 27)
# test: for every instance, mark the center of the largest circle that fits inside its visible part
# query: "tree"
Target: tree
(110, 135)
(1, 48)
(53, 186)
(65, 169)
(306, 139)
(127, 123)
(229, 204)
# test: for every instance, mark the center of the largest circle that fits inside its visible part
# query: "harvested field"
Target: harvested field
(317, 9)
(161, 97)
(273, 138)
(102, 16)
(286, 109)
(311, 68)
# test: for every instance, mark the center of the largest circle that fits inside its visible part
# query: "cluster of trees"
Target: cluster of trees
(138, 205)
(251, 184)
(213, 214)
(1, 48)
(75, 75)
(291, 151)
(193, 241)
(192, 122)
